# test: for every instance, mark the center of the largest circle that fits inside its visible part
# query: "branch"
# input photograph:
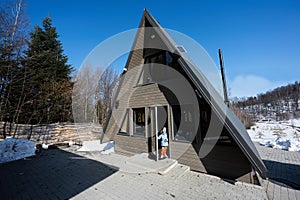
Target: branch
(18, 10)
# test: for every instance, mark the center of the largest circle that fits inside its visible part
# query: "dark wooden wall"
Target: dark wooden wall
(130, 145)
(225, 161)
(147, 95)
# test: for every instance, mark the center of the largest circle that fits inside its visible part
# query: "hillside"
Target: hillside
(279, 104)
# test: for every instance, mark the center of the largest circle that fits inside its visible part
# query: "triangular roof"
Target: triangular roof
(232, 123)
(235, 128)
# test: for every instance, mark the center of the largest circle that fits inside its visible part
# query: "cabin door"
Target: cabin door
(158, 119)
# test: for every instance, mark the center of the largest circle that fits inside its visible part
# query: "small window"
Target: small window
(181, 48)
(145, 76)
(125, 124)
(158, 58)
(138, 121)
(184, 126)
(153, 72)
(169, 59)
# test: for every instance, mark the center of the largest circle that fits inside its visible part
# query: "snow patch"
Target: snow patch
(283, 135)
(95, 145)
(14, 149)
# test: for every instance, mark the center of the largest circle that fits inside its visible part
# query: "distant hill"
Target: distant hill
(279, 104)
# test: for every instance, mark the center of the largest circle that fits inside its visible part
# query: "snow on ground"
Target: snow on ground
(283, 135)
(15, 149)
(95, 145)
(292, 122)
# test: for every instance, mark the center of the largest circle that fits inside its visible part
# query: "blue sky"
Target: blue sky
(260, 39)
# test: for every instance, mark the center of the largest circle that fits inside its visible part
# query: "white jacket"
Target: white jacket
(164, 139)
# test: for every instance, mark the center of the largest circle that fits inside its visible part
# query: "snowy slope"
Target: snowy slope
(281, 135)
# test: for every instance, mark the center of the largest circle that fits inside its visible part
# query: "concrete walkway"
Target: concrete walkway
(283, 173)
(56, 174)
(65, 174)
(139, 177)
(137, 164)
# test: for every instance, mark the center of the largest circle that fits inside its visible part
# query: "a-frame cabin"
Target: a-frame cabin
(203, 132)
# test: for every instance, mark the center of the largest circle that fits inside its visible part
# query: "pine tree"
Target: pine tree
(46, 66)
(46, 52)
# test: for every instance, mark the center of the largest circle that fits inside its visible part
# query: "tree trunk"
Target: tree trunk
(4, 129)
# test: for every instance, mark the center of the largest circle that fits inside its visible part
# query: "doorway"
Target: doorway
(158, 119)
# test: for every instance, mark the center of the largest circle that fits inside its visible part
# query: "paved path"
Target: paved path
(179, 183)
(56, 174)
(65, 174)
(61, 174)
(283, 173)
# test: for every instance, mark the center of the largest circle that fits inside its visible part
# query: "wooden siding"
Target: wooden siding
(136, 56)
(228, 161)
(147, 95)
(130, 145)
(185, 154)
(122, 103)
(224, 161)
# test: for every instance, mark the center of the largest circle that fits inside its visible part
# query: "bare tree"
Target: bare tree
(84, 93)
(92, 93)
(13, 38)
(106, 86)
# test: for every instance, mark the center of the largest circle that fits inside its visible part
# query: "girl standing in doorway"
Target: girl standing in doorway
(164, 143)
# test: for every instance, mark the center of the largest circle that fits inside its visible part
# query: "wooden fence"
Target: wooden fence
(52, 133)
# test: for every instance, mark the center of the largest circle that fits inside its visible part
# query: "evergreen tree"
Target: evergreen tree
(45, 52)
(46, 66)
